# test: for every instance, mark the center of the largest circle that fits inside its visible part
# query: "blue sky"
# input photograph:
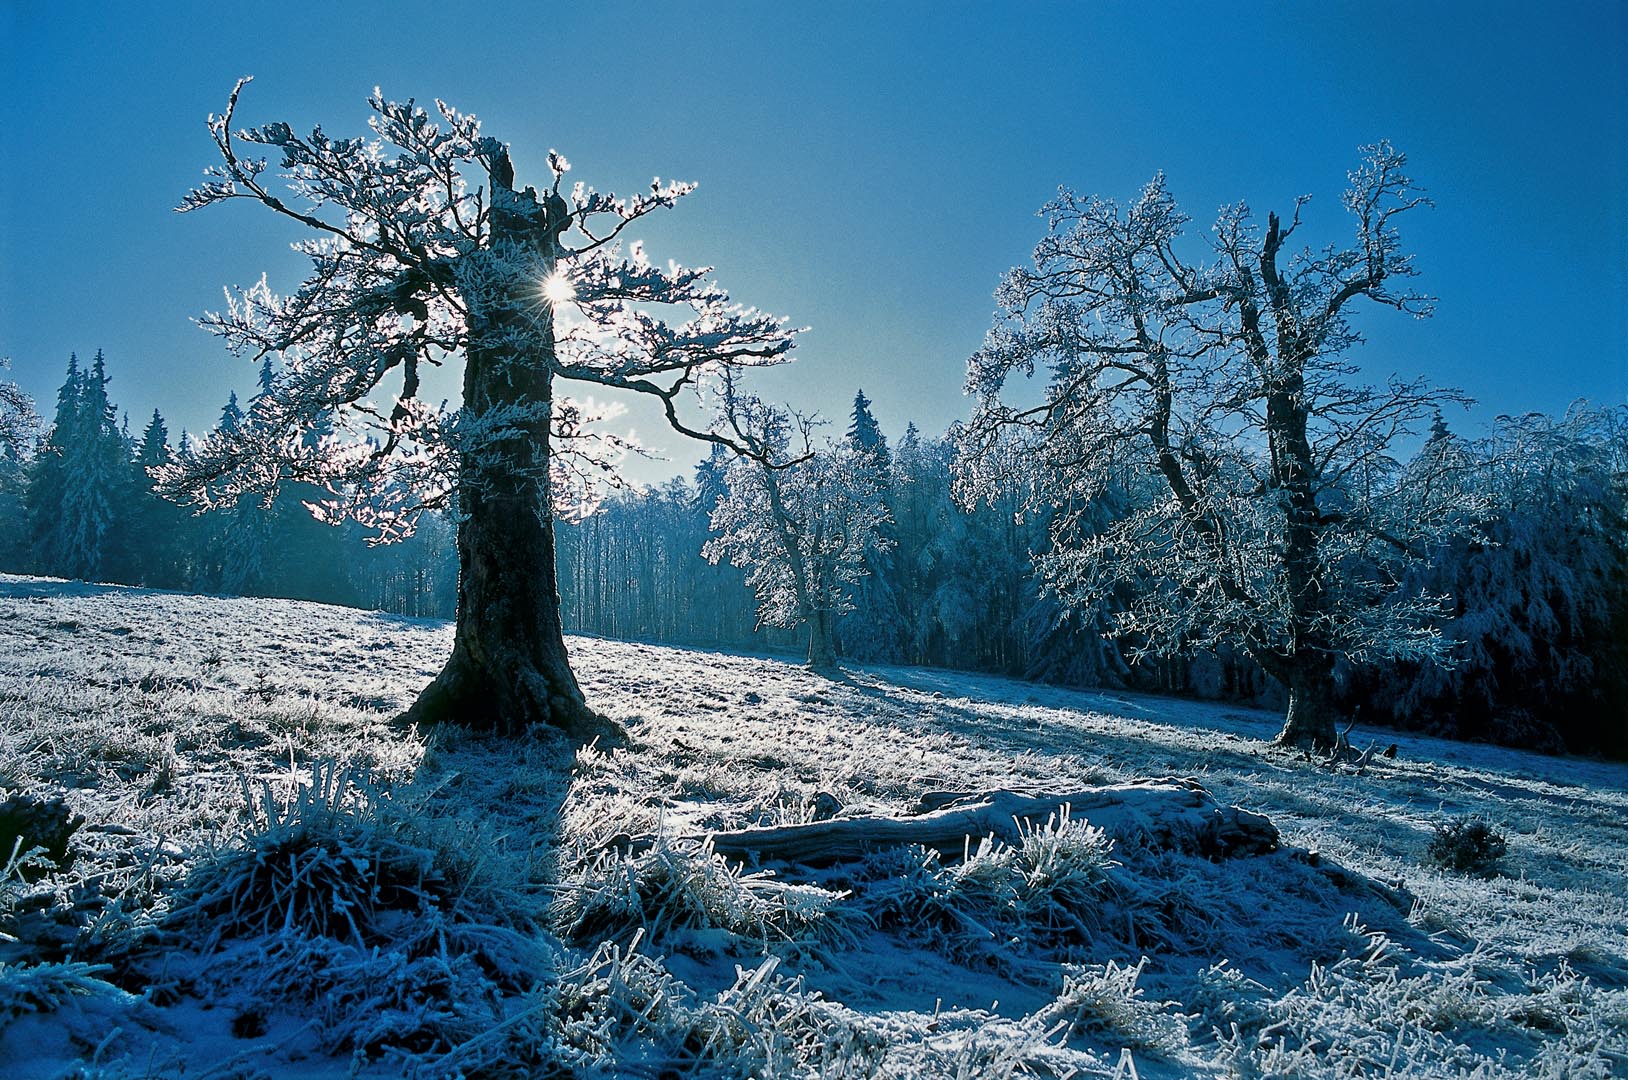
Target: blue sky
(868, 170)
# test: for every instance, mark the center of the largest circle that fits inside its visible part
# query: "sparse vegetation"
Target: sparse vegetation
(428, 907)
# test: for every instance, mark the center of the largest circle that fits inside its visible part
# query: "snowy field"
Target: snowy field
(272, 880)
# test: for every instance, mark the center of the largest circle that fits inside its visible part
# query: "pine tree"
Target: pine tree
(305, 556)
(160, 532)
(47, 477)
(240, 533)
(74, 490)
(865, 434)
(873, 629)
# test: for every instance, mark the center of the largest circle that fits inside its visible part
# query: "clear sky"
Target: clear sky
(868, 170)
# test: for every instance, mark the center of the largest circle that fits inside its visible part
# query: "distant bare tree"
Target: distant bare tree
(799, 520)
(19, 423)
(1281, 524)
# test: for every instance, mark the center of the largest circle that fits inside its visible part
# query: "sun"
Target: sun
(557, 288)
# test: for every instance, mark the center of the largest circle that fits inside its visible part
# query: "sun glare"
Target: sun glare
(557, 288)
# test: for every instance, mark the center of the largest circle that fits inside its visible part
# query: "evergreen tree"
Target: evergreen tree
(75, 489)
(865, 434)
(306, 555)
(238, 541)
(1539, 633)
(160, 532)
(47, 478)
(873, 629)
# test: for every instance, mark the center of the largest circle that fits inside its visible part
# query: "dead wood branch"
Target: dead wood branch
(1166, 814)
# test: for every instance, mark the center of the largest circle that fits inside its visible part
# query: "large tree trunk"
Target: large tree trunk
(821, 653)
(1310, 723)
(509, 669)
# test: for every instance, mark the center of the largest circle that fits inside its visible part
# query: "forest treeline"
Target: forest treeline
(901, 568)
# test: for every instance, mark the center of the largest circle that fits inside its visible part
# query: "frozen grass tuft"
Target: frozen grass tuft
(1050, 888)
(694, 898)
(326, 862)
(44, 988)
(1104, 1001)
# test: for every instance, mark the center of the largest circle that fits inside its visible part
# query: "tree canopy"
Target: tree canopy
(1281, 523)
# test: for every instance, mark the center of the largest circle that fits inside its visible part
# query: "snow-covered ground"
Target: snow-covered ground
(273, 880)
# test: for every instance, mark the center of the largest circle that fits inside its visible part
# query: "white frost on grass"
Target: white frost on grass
(155, 712)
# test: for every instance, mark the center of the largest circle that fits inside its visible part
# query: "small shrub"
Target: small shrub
(1469, 845)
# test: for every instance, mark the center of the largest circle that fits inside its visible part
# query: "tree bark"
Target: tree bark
(821, 654)
(509, 668)
(1311, 720)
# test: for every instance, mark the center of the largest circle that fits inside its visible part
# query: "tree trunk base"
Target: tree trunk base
(1309, 723)
(509, 701)
(1164, 814)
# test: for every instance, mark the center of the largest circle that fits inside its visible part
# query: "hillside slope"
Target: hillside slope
(272, 880)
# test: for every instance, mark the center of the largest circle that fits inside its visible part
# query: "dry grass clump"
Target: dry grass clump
(694, 898)
(326, 863)
(1049, 888)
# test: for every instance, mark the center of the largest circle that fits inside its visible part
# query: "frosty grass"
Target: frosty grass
(272, 880)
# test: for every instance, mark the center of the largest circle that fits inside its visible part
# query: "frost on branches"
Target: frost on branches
(799, 520)
(423, 253)
(19, 423)
(1281, 521)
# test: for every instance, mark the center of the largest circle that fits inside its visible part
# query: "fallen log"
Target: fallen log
(1163, 814)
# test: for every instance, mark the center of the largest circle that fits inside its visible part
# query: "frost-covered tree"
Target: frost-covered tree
(77, 481)
(19, 423)
(1540, 624)
(425, 252)
(872, 630)
(1278, 525)
(19, 428)
(798, 521)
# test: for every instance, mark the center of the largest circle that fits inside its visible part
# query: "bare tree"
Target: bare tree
(424, 252)
(1278, 522)
(798, 520)
(19, 423)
